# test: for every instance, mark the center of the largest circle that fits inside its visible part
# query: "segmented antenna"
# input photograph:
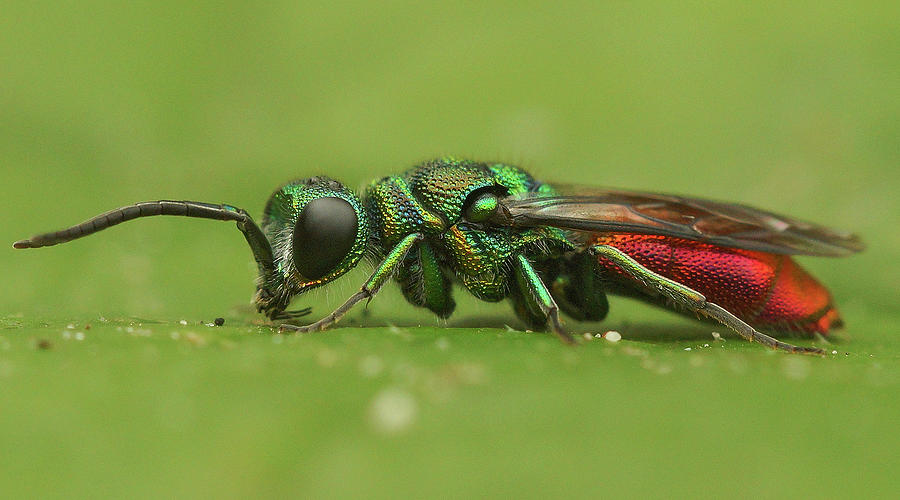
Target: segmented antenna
(143, 209)
(258, 242)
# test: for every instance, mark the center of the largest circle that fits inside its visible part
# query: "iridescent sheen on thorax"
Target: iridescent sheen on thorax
(430, 199)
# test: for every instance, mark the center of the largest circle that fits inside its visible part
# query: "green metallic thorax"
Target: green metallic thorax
(430, 199)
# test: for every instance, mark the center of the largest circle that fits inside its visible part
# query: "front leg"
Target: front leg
(537, 298)
(379, 277)
(692, 299)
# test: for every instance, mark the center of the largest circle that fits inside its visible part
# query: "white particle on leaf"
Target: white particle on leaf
(79, 335)
(612, 336)
(687, 348)
(392, 411)
(182, 323)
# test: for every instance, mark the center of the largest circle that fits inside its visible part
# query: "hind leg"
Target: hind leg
(692, 300)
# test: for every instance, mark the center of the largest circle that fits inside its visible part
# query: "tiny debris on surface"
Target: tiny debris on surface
(687, 349)
(392, 411)
(70, 326)
(44, 344)
(219, 321)
(717, 337)
(588, 336)
(182, 323)
(79, 335)
(612, 336)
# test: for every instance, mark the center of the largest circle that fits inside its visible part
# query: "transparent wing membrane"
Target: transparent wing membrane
(724, 224)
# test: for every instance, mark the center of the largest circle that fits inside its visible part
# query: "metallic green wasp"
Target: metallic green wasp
(501, 234)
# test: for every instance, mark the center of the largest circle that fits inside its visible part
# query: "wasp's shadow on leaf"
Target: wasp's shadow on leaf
(660, 331)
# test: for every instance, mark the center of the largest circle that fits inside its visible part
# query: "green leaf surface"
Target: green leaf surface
(790, 107)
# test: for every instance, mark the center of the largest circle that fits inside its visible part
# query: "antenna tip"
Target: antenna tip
(23, 244)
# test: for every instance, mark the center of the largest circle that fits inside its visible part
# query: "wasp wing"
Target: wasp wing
(718, 223)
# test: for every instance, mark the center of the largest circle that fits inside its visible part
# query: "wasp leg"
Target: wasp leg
(537, 298)
(693, 300)
(293, 314)
(579, 291)
(379, 277)
(424, 284)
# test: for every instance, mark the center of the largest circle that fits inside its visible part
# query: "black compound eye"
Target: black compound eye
(325, 233)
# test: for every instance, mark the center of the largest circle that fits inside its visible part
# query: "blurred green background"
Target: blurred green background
(789, 107)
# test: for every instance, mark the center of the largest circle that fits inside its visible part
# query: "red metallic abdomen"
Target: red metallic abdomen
(767, 291)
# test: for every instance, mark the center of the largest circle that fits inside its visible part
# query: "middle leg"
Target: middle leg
(537, 298)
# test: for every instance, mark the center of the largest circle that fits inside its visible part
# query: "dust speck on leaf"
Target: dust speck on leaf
(612, 336)
(392, 411)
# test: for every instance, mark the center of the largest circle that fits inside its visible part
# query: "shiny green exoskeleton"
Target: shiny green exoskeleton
(428, 228)
(497, 232)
